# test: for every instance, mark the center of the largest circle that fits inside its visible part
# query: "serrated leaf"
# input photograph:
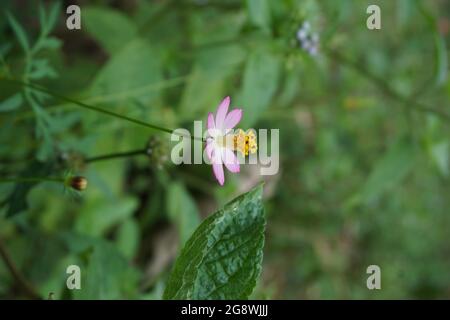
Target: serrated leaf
(12, 103)
(19, 31)
(222, 259)
(182, 210)
(261, 78)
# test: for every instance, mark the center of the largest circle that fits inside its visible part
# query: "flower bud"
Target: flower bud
(78, 183)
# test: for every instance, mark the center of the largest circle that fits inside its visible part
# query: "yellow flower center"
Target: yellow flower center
(245, 142)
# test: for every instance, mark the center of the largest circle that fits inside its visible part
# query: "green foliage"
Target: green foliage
(101, 23)
(260, 82)
(364, 149)
(222, 259)
(12, 103)
(389, 171)
(182, 210)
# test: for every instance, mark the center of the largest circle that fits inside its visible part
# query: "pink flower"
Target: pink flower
(219, 143)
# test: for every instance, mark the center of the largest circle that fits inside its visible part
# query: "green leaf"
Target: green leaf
(49, 43)
(17, 200)
(128, 238)
(261, 78)
(182, 210)
(19, 31)
(99, 216)
(441, 60)
(389, 170)
(259, 13)
(142, 69)
(222, 259)
(112, 29)
(53, 16)
(107, 275)
(440, 154)
(12, 103)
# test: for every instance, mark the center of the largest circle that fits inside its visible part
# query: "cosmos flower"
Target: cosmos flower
(222, 141)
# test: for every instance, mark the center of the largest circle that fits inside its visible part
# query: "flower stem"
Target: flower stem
(116, 155)
(97, 109)
(384, 86)
(31, 180)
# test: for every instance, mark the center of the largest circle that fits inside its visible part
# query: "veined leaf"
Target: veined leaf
(222, 259)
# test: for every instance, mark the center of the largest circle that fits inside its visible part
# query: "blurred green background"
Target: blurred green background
(364, 142)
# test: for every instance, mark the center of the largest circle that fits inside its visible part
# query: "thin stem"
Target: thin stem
(383, 85)
(21, 281)
(31, 180)
(97, 109)
(116, 155)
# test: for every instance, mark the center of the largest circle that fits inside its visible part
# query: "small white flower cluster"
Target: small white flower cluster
(309, 41)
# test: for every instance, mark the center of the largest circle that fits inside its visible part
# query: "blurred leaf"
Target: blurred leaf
(389, 170)
(182, 210)
(107, 275)
(111, 28)
(42, 69)
(99, 216)
(48, 22)
(440, 154)
(20, 33)
(128, 238)
(50, 43)
(18, 199)
(441, 63)
(195, 98)
(222, 259)
(143, 68)
(12, 103)
(4, 49)
(441, 60)
(259, 85)
(259, 13)
(53, 16)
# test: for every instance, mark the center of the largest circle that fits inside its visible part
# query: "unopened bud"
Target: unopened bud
(78, 183)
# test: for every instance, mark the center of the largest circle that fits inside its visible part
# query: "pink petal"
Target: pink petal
(218, 172)
(211, 124)
(209, 149)
(222, 112)
(230, 160)
(232, 118)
